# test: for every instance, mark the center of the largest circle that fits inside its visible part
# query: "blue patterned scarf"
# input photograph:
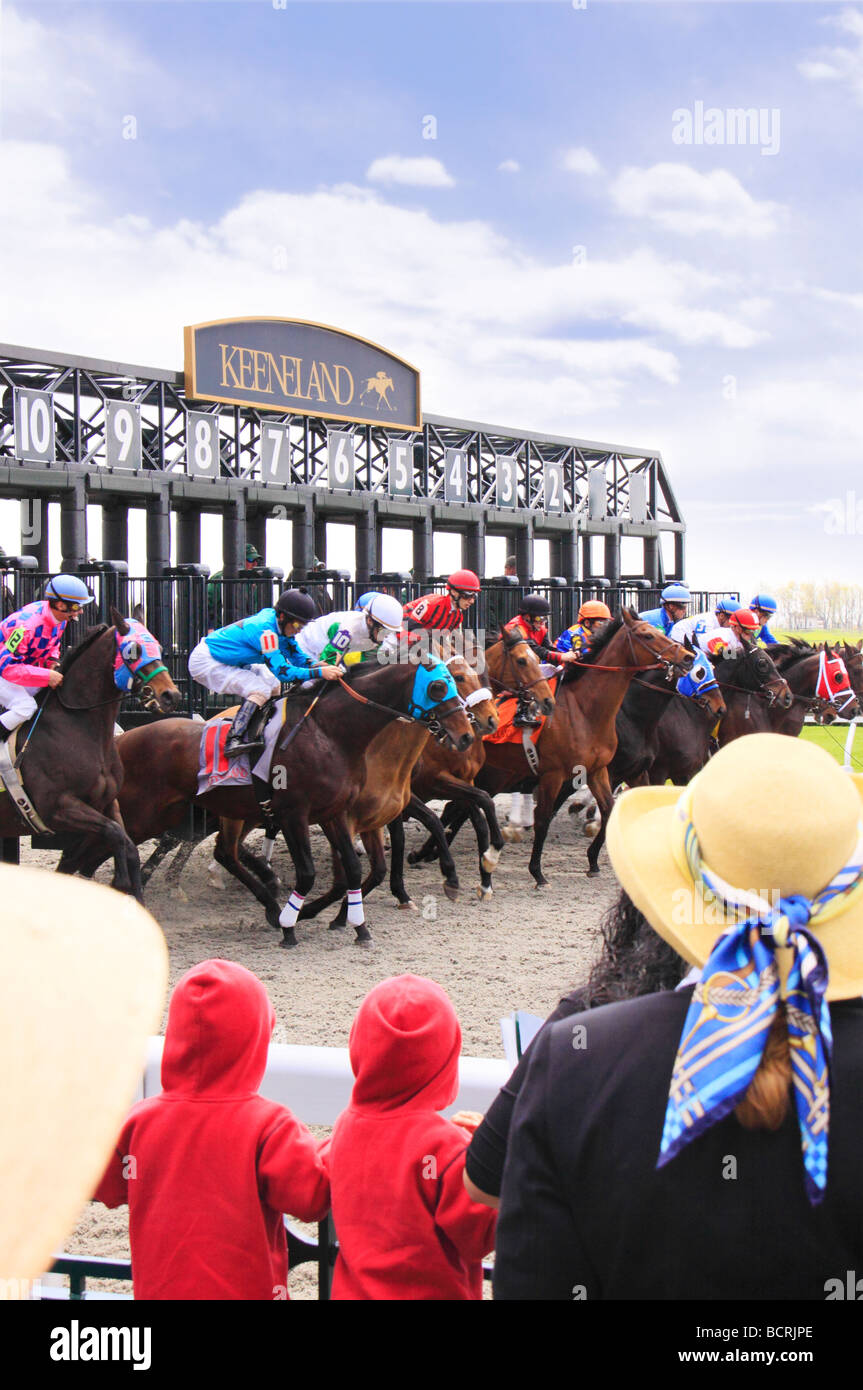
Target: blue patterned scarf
(737, 998)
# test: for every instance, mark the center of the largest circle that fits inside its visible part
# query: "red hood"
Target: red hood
(220, 1023)
(405, 1045)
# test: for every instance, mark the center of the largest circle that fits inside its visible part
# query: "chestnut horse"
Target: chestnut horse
(579, 740)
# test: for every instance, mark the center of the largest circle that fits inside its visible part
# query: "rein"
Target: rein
(397, 714)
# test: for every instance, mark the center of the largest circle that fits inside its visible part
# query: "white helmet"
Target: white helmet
(386, 610)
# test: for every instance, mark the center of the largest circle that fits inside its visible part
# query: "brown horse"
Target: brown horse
(68, 761)
(578, 742)
(343, 746)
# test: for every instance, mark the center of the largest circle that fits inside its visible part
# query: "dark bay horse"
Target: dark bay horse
(347, 745)
(801, 665)
(67, 757)
(579, 739)
(644, 704)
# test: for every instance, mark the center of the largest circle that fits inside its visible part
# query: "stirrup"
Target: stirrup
(246, 734)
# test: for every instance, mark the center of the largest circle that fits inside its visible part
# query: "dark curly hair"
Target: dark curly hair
(633, 960)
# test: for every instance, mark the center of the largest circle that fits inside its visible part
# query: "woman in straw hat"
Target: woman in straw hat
(706, 1142)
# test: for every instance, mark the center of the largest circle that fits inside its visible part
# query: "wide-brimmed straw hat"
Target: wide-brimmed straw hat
(771, 817)
(83, 971)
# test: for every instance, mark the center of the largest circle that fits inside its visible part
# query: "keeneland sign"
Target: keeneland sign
(291, 366)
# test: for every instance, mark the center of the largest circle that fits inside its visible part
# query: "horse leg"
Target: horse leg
(600, 785)
(335, 891)
(397, 863)
(225, 852)
(419, 811)
(296, 836)
(341, 838)
(72, 814)
(547, 794)
(181, 859)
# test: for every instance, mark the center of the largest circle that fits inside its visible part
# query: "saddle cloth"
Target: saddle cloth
(507, 731)
(216, 770)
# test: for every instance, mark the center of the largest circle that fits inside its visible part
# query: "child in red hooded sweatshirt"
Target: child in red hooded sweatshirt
(405, 1224)
(209, 1166)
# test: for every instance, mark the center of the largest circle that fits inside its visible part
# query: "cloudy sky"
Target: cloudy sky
(530, 201)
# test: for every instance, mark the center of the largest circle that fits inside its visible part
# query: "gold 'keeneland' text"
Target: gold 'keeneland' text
(252, 369)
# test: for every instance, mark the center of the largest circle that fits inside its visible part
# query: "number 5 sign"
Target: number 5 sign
(401, 473)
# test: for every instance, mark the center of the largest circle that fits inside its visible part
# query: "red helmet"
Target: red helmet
(465, 580)
(744, 618)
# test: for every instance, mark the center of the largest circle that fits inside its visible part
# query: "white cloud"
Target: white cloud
(509, 166)
(580, 161)
(677, 197)
(840, 64)
(416, 173)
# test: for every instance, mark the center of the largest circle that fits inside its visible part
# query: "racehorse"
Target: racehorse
(579, 740)
(645, 703)
(750, 686)
(68, 761)
(355, 753)
(820, 682)
(514, 671)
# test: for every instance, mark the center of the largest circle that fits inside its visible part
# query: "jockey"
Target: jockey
(764, 607)
(353, 636)
(676, 598)
(740, 635)
(577, 639)
(30, 646)
(443, 612)
(251, 658)
(704, 622)
(528, 624)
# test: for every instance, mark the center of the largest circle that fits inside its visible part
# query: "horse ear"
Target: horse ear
(138, 612)
(687, 642)
(119, 621)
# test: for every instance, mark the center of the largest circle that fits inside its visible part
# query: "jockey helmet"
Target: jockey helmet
(764, 602)
(465, 581)
(593, 608)
(676, 593)
(364, 600)
(744, 617)
(68, 588)
(727, 605)
(301, 607)
(535, 605)
(386, 611)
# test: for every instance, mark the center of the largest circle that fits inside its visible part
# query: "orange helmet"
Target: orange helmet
(464, 580)
(594, 608)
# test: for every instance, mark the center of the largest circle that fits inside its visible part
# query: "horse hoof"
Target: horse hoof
(410, 905)
(540, 882)
(451, 891)
(593, 873)
(336, 925)
(484, 893)
(490, 859)
(288, 938)
(364, 937)
(512, 834)
(179, 895)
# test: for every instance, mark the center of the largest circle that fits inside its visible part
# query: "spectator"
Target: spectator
(214, 587)
(510, 569)
(616, 1188)
(406, 1227)
(209, 1166)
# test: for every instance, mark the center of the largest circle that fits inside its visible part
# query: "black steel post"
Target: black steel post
(651, 558)
(568, 555)
(302, 541)
(679, 555)
(115, 531)
(423, 549)
(73, 524)
(321, 538)
(612, 557)
(233, 556)
(256, 534)
(474, 547)
(158, 607)
(586, 559)
(365, 544)
(189, 537)
(524, 553)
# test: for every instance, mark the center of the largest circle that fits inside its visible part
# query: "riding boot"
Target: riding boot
(243, 738)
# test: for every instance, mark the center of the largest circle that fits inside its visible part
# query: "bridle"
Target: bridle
(432, 719)
(767, 692)
(476, 697)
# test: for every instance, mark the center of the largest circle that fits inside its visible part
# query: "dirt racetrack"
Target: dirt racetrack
(520, 949)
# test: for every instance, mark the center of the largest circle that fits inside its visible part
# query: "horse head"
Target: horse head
(514, 669)
(434, 700)
(476, 698)
(700, 685)
(138, 666)
(757, 672)
(648, 643)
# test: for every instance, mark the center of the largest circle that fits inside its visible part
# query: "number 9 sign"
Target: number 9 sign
(122, 435)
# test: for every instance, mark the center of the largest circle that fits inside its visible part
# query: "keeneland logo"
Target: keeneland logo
(303, 368)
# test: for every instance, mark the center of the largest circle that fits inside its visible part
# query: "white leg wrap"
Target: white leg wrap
(269, 846)
(527, 809)
(356, 916)
(291, 910)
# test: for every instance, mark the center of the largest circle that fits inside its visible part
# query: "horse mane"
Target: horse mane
(71, 655)
(573, 670)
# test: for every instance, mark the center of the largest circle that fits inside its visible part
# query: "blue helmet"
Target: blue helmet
(676, 593)
(69, 588)
(727, 605)
(764, 602)
(364, 600)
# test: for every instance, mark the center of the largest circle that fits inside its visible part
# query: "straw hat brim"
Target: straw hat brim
(639, 846)
(83, 972)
